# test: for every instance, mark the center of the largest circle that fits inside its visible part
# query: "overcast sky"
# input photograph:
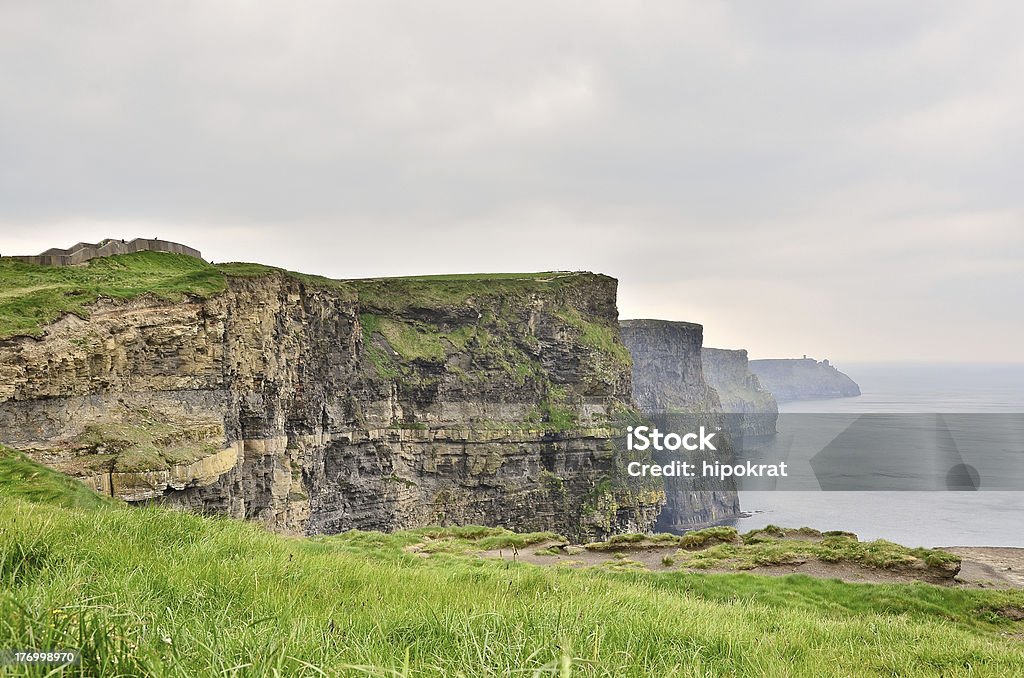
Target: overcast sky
(842, 180)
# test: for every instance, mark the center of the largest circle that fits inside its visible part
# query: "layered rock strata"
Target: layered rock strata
(318, 406)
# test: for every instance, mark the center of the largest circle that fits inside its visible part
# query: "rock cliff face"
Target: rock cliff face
(803, 379)
(318, 406)
(749, 408)
(669, 387)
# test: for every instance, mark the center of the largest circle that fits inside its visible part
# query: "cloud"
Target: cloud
(724, 161)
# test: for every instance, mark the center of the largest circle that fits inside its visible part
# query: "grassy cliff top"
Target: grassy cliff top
(662, 327)
(33, 296)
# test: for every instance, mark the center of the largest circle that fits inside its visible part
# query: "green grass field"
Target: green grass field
(156, 592)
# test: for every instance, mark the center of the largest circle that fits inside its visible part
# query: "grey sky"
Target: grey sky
(836, 179)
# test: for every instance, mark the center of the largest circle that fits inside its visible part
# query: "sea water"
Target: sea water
(915, 518)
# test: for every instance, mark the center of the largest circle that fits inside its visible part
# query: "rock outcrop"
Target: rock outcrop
(670, 389)
(750, 409)
(803, 379)
(317, 406)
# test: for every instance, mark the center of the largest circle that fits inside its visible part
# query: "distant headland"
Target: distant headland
(84, 251)
(803, 379)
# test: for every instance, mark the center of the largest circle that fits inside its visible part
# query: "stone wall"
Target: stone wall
(84, 251)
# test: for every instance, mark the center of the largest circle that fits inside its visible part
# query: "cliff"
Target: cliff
(803, 379)
(318, 406)
(749, 408)
(670, 389)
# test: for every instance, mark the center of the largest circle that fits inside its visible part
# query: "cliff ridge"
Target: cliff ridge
(317, 406)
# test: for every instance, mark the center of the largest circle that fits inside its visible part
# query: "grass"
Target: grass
(152, 592)
(557, 412)
(707, 537)
(599, 336)
(756, 549)
(465, 540)
(139, 441)
(32, 296)
(411, 340)
(146, 444)
(724, 548)
(22, 478)
(408, 295)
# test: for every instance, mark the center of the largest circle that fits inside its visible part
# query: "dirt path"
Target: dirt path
(990, 566)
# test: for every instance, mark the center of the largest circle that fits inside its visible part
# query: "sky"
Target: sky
(837, 179)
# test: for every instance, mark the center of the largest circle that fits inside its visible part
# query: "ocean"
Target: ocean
(914, 518)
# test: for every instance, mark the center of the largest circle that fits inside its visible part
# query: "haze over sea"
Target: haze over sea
(982, 518)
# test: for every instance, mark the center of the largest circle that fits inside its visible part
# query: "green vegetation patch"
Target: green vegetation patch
(145, 443)
(773, 532)
(473, 539)
(760, 551)
(691, 540)
(490, 345)
(557, 411)
(22, 478)
(709, 537)
(600, 336)
(398, 296)
(139, 441)
(411, 340)
(31, 296)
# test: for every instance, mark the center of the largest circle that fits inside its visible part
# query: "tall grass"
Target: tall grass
(155, 592)
(22, 478)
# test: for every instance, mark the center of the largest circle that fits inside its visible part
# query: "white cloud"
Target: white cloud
(790, 173)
